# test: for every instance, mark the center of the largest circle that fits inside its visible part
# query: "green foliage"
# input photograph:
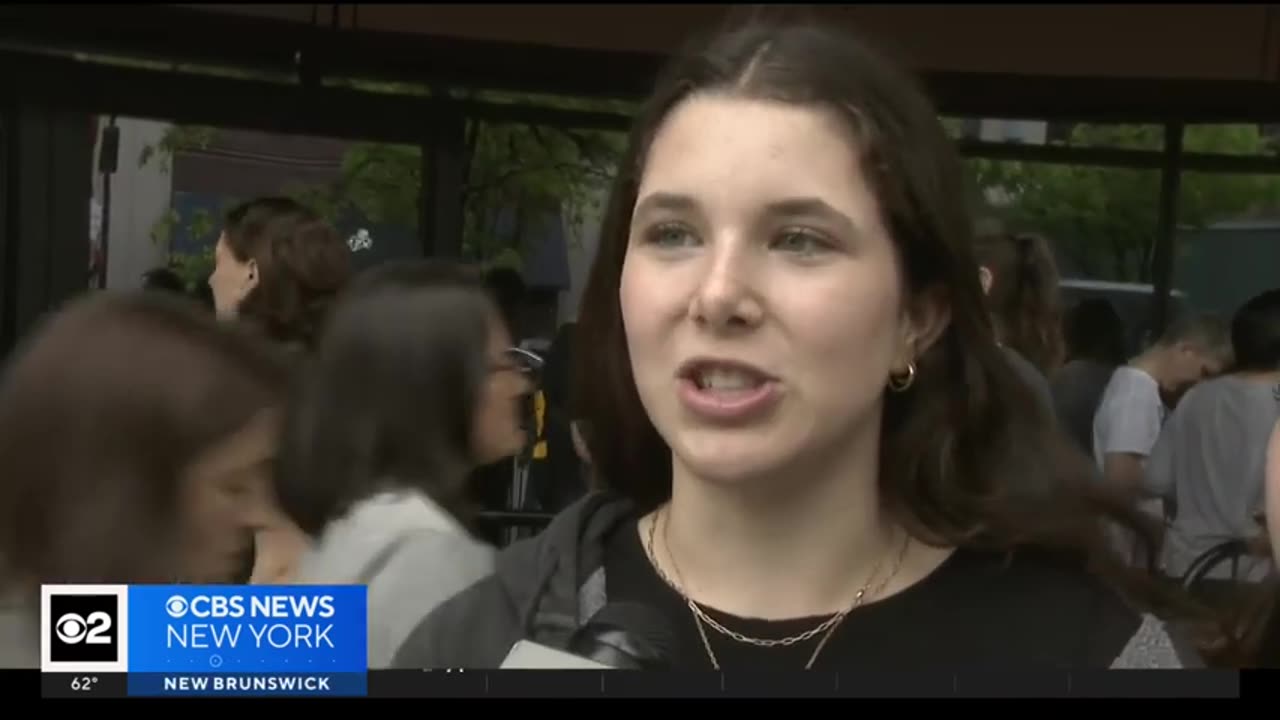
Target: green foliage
(379, 180)
(530, 167)
(193, 268)
(507, 165)
(1104, 219)
(176, 139)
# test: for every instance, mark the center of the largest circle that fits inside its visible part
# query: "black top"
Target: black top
(978, 609)
(975, 609)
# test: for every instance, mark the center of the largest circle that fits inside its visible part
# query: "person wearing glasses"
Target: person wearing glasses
(411, 387)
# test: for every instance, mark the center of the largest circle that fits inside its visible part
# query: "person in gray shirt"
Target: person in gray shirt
(1095, 348)
(1210, 460)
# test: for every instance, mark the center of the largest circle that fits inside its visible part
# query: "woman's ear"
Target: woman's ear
(251, 277)
(927, 316)
(985, 278)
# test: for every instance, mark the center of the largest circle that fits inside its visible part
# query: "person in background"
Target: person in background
(1132, 411)
(492, 485)
(132, 431)
(815, 453)
(1267, 649)
(558, 477)
(1020, 279)
(411, 388)
(278, 268)
(1271, 509)
(1209, 464)
(1095, 348)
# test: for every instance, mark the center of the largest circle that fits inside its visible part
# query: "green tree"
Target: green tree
(516, 166)
(1103, 220)
(193, 268)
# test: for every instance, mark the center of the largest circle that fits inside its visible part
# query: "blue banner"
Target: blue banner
(247, 640)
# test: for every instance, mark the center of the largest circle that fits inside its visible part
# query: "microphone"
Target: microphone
(621, 636)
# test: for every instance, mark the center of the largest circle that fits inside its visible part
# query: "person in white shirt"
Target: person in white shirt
(1272, 506)
(1211, 457)
(1132, 411)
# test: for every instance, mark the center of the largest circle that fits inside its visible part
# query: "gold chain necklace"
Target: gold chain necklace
(702, 620)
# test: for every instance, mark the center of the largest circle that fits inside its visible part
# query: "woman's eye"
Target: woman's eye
(671, 235)
(801, 241)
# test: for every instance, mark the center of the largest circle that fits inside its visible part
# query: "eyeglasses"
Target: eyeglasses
(519, 360)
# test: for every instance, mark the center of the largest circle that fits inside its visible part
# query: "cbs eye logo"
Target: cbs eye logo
(83, 628)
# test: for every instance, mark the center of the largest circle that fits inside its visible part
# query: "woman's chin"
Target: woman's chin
(741, 469)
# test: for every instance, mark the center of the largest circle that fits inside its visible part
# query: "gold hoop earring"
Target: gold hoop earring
(900, 383)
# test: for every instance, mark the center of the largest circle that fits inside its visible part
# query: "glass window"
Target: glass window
(1228, 240)
(174, 183)
(1231, 139)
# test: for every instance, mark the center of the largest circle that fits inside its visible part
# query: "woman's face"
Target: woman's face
(227, 498)
(761, 294)
(497, 433)
(232, 279)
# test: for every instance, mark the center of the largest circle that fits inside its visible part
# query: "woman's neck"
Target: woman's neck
(796, 545)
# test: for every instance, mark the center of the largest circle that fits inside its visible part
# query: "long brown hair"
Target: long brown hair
(302, 265)
(966, 458)
(1023, 297)
(101, 413)
(389, 396)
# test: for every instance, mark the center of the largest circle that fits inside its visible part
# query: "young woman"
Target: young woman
(411, 388)
(278, 269)
(133, 433)
(1020, 278)
(816, 454)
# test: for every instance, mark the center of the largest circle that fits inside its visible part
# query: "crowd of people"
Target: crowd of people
(808, 415)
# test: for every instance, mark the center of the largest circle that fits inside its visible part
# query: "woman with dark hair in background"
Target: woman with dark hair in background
(134, 432)
(411, 388)
(1095, 348)
(278, 267)
(1020, 279)
(816, 454)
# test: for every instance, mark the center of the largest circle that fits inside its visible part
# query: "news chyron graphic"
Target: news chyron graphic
(84, 628)
(211, 640)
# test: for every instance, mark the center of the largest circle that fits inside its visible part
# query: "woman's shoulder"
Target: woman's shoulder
(1037, 604)
(381, 535)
